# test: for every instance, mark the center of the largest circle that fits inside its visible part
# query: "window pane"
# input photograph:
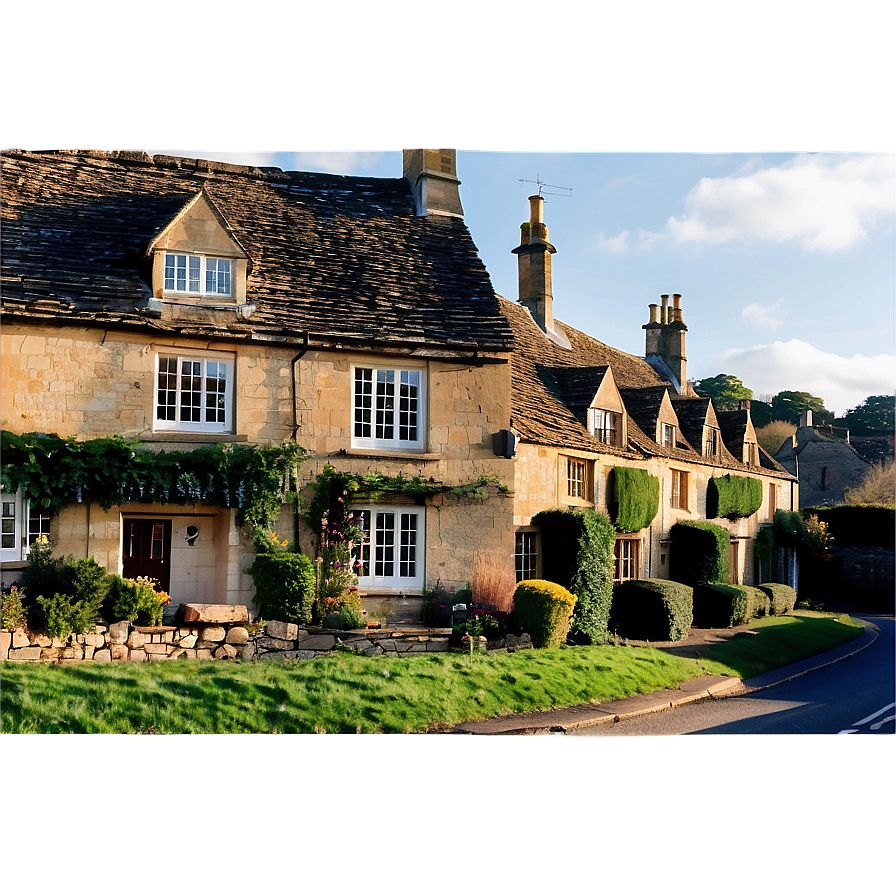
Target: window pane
(363, 402)
(525, 556)
(167, 389)
(385, 404)
(194, 273)
(408, 556)
(385, 545)
(215, 388)
(408, 405)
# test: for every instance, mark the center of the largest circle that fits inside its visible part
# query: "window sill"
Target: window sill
(387, 454)
(202, 438)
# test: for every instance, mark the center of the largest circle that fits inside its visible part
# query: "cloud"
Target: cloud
(798, 366)
(335, 162)
(762, 315)
(614, 245)
(825, 203)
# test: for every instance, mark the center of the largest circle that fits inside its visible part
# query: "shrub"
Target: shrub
(63, 614)
(877, 486)
(351, 617)
(284, 586)
(652, 610)
(12, 613)
(699, 554)
(733, 497)
(577, 553)
(542, 609)
(135, 600)
(493, 580)
(721, 606)
(773, 435)
(437, 603)
(782, 598)
(866, 525)
(760, 604)
(634, 499)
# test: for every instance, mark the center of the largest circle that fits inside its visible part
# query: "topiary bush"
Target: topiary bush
(760, 604)
(652, 610)
(543, 609)
(733, 497)
(634, 498)
(721, 606)
(577, 553)
(782, 598)
(699, 553)
(284, 586)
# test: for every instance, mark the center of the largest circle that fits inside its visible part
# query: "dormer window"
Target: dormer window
(713, 442)
(198, 275)
(668, 435)
(606, 427)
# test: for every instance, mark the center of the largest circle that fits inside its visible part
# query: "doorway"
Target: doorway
(146, 550)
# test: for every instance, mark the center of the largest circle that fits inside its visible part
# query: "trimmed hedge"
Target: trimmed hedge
(760, 602)
(284, 586)
(652, 610)
(782, 598)
(733, 497)
(577, 553)
(721, 606)
(699, 553)
(634, 498)
(866, 525)
(542, 609)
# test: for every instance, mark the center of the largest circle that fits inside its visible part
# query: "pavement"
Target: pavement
(706, 687)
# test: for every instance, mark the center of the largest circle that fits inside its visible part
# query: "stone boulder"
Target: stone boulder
(237, 635)
(216, 613)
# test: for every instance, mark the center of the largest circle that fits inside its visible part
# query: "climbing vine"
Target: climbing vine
(54, 472)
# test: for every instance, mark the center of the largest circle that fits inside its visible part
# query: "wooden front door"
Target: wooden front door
(147, 550)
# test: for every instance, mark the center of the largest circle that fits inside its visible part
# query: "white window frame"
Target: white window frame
(667, 435)
(26, 527)
(198, 269)
(606, 426)
(525, 554)
(173, 394)
(382, 569)
(378, 415)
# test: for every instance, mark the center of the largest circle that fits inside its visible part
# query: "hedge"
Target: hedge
(652, 610)
(634, 499)
(284, 586)
(782, 598)
(760, 602)
(721, 606)
(733, 497)
(699, 553)
(866, 525)
(577, 553)
(542, 609)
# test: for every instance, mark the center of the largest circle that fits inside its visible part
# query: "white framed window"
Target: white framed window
(525, 555)
(668, 435)
(576, 478)
(393, 549)
(388, 408)
(198, 275)
(21, 524)
(194, 394)
(606, 426)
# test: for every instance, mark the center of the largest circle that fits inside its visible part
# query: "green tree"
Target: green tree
(789, 405)
(726, 391)
(874, 415)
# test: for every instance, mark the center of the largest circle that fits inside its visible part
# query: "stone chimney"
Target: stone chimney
(805, 419)
(433, 177)
(534, 258)
(665, 341)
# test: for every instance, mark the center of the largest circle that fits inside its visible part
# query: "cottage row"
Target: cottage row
(181, 303)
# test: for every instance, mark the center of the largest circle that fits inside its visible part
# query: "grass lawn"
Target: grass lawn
(352, 694)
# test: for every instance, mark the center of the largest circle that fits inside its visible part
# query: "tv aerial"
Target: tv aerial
(541, 187)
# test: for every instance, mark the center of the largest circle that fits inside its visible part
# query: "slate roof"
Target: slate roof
(345, 259)
(550, 384)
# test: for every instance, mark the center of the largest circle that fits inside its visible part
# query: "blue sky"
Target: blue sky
(784, 261)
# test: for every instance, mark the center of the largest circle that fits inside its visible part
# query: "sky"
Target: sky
(784, 260)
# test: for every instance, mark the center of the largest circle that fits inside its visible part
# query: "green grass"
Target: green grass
(338, 693)
(348, 693)
(781, 640)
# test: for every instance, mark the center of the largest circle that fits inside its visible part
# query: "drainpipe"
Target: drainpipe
(295, 430)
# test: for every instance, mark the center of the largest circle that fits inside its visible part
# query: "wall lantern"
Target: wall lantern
(504, 443)
(192, 535)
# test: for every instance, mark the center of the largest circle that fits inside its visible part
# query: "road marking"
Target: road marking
(874, 715)
(877, 725)
(848, 731)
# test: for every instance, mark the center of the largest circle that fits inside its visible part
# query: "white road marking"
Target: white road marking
(848, 731)
(877, 725)
(874, 715)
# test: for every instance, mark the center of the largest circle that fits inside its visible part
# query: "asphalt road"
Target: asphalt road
(853, 696)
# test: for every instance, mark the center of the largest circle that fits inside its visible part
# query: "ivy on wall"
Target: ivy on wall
(54, 472)
(634, 498)
(733, 497)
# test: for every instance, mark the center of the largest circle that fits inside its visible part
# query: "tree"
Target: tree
(790, 405)
(873, 416)
(773, 435)
(726, 391)
(878, 487)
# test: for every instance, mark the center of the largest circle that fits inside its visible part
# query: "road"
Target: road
(853, 696)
